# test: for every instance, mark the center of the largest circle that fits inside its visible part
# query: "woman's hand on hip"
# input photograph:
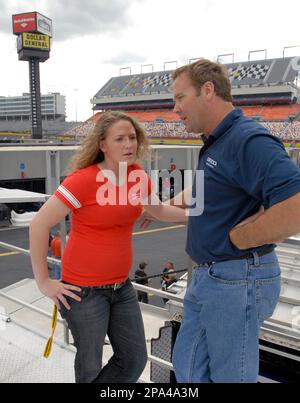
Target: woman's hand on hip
(58, 291)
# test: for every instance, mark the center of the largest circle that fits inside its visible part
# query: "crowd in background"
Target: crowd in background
(157, 129)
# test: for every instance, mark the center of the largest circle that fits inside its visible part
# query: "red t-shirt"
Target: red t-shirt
(55, 247)
(99, 248)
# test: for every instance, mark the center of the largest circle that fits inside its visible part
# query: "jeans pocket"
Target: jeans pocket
(83, 294)
(225, 275)
(267, 296)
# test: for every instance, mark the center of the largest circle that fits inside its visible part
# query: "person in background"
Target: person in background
(168, 278)
(49, 242)
(55, 248)
(49, 250)
(168, 266)
(139, 276)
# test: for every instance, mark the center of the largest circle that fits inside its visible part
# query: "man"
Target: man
(139, 275)
(168, 278)
(168, 266)
(251, 201)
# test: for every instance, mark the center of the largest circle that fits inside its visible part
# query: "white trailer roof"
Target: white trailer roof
(21, 196)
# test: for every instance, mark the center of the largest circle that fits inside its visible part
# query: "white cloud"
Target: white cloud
(73, 18)
(94, 39)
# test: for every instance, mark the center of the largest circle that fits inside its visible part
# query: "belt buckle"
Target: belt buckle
(118, 285)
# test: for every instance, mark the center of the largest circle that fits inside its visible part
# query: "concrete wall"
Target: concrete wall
(35, 160)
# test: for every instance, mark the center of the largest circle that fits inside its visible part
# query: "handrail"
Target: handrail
(178, 299)
(157, 292)
(140, 287)
(159, 361)
(25, 251)
(168, 295)
(29, 306)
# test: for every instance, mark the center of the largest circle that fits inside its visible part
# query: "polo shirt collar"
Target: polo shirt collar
(222, 128)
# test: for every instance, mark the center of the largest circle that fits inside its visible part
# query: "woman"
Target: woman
(95, 296)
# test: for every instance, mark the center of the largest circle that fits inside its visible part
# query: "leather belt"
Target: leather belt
(261, 252)
(114, 286)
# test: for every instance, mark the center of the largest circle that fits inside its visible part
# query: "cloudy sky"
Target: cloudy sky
(94, 39)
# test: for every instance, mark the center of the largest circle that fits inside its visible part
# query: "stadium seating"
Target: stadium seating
(279, 112)
(161, 127)
(81, 130)
(253, 111)
(113, 88)
(265, 113)
(147, 116)
(270, 107)
(166, 124)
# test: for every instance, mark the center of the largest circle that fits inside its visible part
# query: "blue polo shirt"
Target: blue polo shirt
(244, 167)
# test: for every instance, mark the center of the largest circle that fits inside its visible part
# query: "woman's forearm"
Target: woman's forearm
(168, 213)
(173, 214)
(50, 214)
(182, 199)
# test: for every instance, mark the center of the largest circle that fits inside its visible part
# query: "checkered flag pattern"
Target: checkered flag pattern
(163, 80)
(256, 71)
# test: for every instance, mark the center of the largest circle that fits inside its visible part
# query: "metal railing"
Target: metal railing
(26, 304)
(66, 340)
(273, 328)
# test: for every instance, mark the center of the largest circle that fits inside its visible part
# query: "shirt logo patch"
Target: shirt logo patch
(211, 163)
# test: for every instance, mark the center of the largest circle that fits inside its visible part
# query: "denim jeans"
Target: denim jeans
(143, 297)
(224, 307)
(117, 314)
(57, 271)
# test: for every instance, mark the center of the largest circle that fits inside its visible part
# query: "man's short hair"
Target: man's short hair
(204, 70)
(142, 265)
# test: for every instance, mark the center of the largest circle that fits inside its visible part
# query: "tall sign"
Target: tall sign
(32, 22)
(34, 32)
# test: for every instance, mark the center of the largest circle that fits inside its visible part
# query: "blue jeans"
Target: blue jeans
(224, 307)
(143, 297)
(117, 314)
(57, 271)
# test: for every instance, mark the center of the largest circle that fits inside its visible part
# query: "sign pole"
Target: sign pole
(34, 31)
(35, 98)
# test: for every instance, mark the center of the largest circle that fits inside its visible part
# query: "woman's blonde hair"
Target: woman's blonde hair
(89, 152)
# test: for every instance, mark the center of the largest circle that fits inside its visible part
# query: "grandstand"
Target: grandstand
(266, 90)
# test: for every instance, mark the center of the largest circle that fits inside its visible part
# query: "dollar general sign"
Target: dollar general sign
(36, 41)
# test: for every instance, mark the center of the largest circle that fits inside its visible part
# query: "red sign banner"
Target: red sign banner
(24, 22)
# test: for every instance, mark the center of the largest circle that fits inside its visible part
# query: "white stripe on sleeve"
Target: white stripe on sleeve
(69, 196)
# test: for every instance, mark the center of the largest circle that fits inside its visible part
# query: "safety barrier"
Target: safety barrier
(154, 291)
